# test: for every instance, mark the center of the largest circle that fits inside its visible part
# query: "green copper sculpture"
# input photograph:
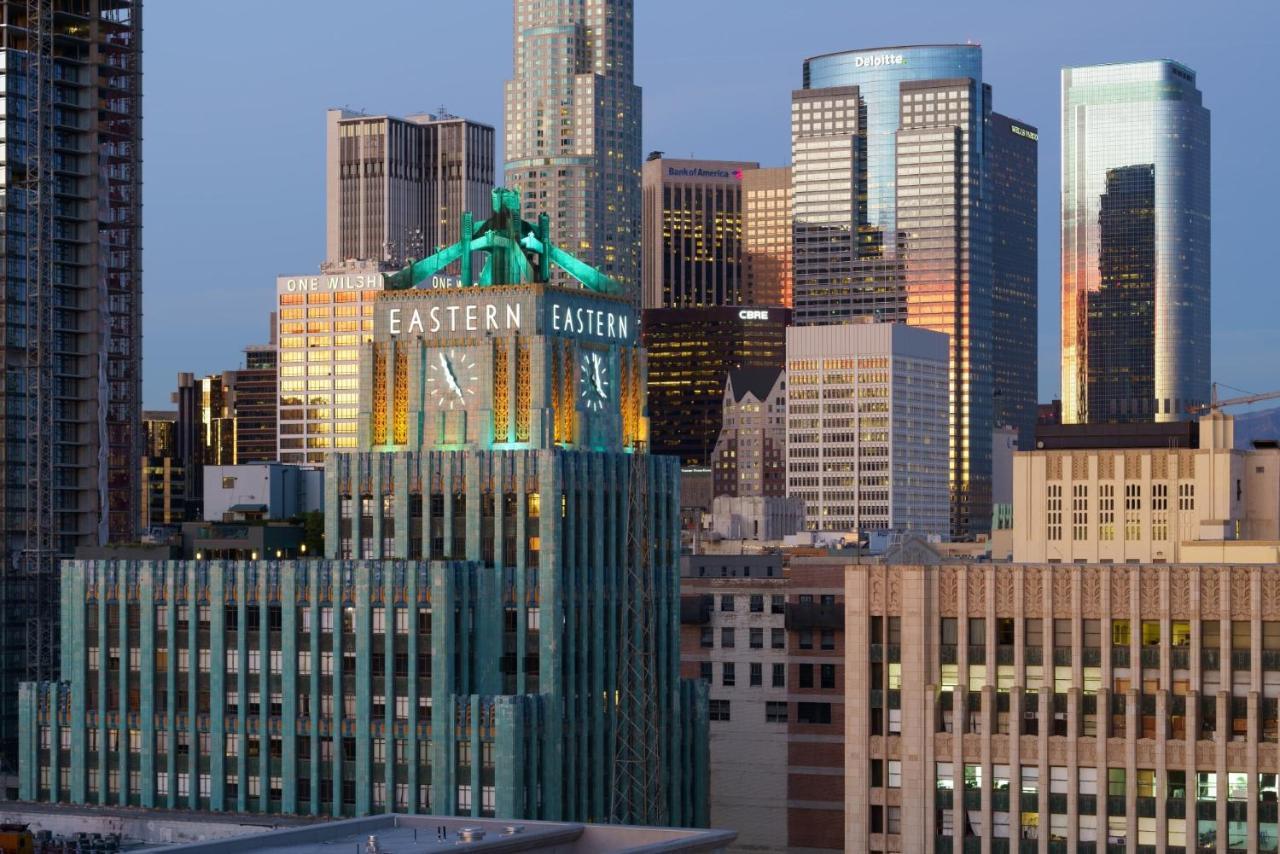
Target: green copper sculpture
(517, 251)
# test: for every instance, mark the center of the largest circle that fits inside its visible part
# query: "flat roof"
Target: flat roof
(887, 47)
(396, 833)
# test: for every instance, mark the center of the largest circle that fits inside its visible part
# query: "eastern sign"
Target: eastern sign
(561, 314)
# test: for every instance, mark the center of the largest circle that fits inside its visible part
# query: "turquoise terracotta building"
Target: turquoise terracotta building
(494, 630)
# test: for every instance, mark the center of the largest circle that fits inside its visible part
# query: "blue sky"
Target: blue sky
(234, 109)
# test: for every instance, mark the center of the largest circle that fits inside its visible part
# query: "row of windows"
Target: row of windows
(776, 712)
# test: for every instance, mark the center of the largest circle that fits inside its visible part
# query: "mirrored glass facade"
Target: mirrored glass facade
(897, 196)
(1135, 243)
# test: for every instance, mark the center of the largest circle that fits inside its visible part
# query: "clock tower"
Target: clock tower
(503, 456)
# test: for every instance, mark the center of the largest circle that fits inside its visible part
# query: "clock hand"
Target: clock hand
(597, 380)
(449, 378)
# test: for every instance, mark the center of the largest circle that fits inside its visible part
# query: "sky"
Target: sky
(234, 107)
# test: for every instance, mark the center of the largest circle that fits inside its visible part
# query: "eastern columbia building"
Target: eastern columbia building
(494, 630)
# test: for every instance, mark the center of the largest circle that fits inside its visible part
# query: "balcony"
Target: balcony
(1119, 656)
(1151, 656)
(814, 615)
(695, 610)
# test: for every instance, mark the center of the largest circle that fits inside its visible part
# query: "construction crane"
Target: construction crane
(1215, 404)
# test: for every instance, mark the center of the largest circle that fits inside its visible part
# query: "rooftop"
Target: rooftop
(399, 834)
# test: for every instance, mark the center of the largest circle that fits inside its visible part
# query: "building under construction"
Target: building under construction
(71, 288)
(494, 630)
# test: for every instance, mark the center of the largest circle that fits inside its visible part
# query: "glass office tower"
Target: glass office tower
(894, 217)
(1135, 243)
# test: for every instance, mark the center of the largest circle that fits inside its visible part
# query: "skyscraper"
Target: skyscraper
(894, 216)
(691, 352)
(1135, 243)
(1014, 147)
(693, 248)
(766, 235)
(323, 319)
(396, 188)
(866, 427)
(70, 126)
(573, 128)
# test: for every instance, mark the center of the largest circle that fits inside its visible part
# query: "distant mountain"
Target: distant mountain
(1262, 424)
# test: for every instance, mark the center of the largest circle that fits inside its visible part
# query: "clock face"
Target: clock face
(452, 378)
(595, 382)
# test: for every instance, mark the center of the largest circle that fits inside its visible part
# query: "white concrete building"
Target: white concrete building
(867, 408)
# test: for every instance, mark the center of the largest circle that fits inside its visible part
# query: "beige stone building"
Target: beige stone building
(1062, 708)
(1189, 496)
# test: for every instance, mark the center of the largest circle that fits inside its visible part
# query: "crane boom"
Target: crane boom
(1215, 404)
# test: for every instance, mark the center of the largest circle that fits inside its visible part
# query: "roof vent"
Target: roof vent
(470, 834)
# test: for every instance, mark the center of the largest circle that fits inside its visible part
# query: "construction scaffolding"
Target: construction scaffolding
(37, 559)
(70, 283)
(637, 795)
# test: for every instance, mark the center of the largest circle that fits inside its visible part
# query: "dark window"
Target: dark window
(828, 639)
(775, 713)
(757, 674)
(777, 604)
(813, 713)
(779, 675)
(828, 676)
(708, 636)
(727, 675)
(806, 638)
(806, 676)
(719, 710)
(726, 637)
(778, 638)
(757, 638)
(757, 603)
(704, 671)
(726, 602)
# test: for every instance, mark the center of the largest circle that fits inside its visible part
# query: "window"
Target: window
(779, 675)
(1133, 511)
(778, 638)
(806, 675)
(775, 713)
(704, 671)
(828, 639)
(726, 602)
(757, 674)
(757, 638)
(727, 676)
(757, 603)
(719, 710)
(708, 637)
(1080, 512)
(777, 604)
(813, 713)
(1054, 511)
(894, 775)
(827, 676)
(726, 637)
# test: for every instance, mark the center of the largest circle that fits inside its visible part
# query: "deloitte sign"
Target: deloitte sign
(879, 59)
